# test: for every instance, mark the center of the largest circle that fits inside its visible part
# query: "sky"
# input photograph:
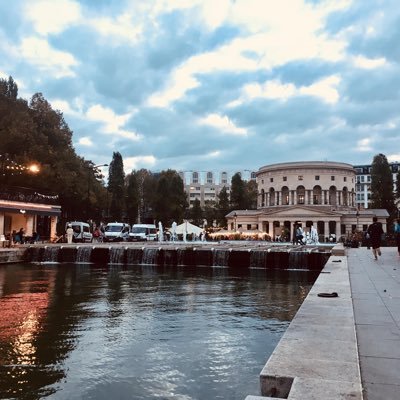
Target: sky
(212, 85)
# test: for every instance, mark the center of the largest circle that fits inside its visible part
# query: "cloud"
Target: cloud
(187, 85)
(368, 63)
(223, 124)
(51, 17)
(112, 123)
(85, 141)
(133, 163)
(39, 53)
(364, 145)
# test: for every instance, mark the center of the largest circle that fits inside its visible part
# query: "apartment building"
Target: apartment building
(363, 183)
(206, 185)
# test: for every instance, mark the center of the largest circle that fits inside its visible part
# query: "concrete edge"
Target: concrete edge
(319, 349)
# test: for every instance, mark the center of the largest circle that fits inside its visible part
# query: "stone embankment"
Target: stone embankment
(317, 357)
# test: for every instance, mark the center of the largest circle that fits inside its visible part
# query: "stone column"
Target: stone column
(305, 196)
(338, 228)
(1, 223)
(29, 224)
(278, 198)
(326, 228)
(53, 225)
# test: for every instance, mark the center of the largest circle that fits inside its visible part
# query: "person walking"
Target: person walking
(70, 234)
(375, 232)
(397, 234)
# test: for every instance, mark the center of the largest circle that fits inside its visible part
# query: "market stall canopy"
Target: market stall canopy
(188, 228)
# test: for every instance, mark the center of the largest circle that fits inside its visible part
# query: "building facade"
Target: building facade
(30, 210)
(206, 185)
(363, 182)
(316, 193)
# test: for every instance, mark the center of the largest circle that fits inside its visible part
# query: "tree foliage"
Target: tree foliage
(238, 199)
(196, 213)
(116, 186)
(35, 133)
(170, 199)
(222, 207)
(382, 184)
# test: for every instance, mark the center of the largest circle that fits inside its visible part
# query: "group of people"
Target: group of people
(300, 237)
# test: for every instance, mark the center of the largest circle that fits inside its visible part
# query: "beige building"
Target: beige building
(312, 193)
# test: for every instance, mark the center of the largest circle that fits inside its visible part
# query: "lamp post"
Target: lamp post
(93, 168)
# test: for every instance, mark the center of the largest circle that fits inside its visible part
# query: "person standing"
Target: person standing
(70, 234)
(375, 232)
(21, 234)
(397, 234)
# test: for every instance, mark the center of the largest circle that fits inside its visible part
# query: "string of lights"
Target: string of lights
(11, 167)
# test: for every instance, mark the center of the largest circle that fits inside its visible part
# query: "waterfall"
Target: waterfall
(298, 259)
(257, 259)
(134, 256)
(51, 254)
(170, 257)
(117, 255)
(150, 255)
(83, 254)
(35, 254)
(220, 258)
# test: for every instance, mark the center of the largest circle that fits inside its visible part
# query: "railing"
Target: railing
(17, 193)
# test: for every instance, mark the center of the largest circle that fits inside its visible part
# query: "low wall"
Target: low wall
(317, 357)
(13, 255)
(225, 255)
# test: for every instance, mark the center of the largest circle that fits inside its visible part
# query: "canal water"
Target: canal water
(79, 331)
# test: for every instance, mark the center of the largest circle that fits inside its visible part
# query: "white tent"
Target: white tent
(188, 228)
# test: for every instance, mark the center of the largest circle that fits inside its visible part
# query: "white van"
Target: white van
(143, 232)
(116, 232)
(81, 232)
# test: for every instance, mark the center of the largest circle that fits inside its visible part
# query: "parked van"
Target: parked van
(116, 232)
(81, 232)
(143, 232)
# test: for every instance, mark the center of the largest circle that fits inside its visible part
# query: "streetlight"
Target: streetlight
(93, 168)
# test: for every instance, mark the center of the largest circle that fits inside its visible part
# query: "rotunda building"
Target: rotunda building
(319, 194)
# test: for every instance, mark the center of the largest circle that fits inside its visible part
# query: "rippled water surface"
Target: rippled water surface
(140, 332)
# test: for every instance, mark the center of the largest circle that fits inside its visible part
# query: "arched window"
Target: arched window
(332, 195)
(317, 195)
(345, 194)
(195, 177)
(262, 198)
(300, 192)
(285, 196)
(210, 177)
(271, 197)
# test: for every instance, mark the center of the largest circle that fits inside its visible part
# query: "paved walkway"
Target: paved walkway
(375, 287)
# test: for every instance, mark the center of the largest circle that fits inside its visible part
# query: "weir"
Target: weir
(235, 256)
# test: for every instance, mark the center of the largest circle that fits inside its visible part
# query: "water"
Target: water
(140, 332)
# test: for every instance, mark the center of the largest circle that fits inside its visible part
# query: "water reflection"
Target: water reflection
(141, 332)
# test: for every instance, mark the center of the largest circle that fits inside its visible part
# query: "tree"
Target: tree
(133, 197)
(170, 198)
(222, 207)
(382, 184)
(210, 212)
(252, 194)
(196, 213)
(116, 187)
(238, 199)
